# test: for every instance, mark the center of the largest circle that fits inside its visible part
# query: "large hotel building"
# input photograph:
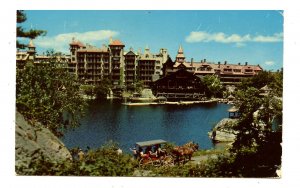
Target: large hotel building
(91, 64)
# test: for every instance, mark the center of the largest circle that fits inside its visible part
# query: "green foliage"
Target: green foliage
(100, 162)
(106, 162)
(168, 147)
(208, 152)
(221, 166)
(212, 86)
(257, 149)
(48, 95)
(139, 85)
(89, 90)
(32, 33)
(103, 88)
(273, 79)
(277, 83)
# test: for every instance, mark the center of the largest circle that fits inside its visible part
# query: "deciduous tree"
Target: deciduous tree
(48, 95)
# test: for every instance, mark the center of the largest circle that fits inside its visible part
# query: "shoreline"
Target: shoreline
(214, 100)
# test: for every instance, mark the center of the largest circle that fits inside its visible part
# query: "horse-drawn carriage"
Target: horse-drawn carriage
(152, 153)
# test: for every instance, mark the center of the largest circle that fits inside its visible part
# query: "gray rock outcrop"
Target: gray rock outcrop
(223, 131)
(32, 143)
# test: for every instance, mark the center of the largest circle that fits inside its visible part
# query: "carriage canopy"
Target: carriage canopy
(150, 143)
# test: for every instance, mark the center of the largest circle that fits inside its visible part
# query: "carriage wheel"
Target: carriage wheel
(168, 161)
(146, 163)
(156, 162)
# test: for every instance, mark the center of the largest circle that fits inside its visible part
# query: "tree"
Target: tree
(212, 86)
(21, 32)
(273, 79)
(49, 95)
(257, 149)
(103, 88)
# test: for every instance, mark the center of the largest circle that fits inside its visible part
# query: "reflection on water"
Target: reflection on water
(110, 120)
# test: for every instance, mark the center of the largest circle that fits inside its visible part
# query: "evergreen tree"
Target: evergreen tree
(21, 32)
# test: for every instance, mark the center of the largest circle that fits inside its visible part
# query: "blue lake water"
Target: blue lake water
(179, 124)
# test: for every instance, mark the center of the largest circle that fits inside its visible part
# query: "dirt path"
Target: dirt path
(199, 159)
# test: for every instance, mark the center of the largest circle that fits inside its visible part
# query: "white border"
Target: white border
(291, 92)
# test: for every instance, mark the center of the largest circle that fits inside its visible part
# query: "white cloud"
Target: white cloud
(269, 63)
(202, 36)
(61, 42)
(277, 37)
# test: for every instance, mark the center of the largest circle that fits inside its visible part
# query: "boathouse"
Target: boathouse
(182, 85)
(234, 112)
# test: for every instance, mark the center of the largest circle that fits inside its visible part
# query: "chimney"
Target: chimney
(225, 63)
(246, 63)
(204, 60)
(192, 61)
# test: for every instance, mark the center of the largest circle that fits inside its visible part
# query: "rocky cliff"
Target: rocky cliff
(32, 143)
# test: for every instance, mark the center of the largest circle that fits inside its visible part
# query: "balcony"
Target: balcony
(116, 58)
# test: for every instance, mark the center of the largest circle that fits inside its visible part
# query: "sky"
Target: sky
(236, 36)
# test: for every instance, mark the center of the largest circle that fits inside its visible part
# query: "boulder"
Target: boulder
(32, 143)
(223, 131)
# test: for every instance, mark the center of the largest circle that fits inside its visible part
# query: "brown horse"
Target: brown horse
(185, 151)
(189, 149)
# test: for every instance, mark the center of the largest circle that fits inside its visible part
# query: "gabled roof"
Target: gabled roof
(116, 43)
(177, 64)
(178, 75)
(76, 43)
(233, 109)
(90, 48)
(180, 55)
(130, 53)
